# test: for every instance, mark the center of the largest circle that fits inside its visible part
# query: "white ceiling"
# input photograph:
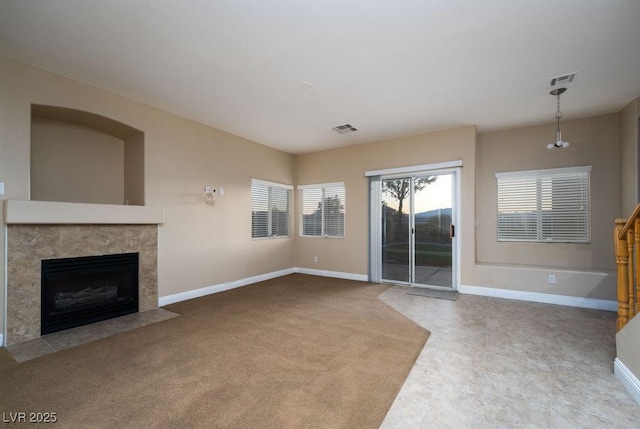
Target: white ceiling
(389, 67)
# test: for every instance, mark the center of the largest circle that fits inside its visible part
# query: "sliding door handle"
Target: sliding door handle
(452, 231)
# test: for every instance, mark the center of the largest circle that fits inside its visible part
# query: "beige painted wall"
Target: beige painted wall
(134, 169)
(72, 163)
(594, 141)
(629, 192)
(349, 165)
(582, 270)
(199, 245)
(628, 346)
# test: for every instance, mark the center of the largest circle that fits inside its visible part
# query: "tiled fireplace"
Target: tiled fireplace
(30, 239)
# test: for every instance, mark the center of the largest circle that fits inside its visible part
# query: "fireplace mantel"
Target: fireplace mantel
(49, 212)
(39, 230)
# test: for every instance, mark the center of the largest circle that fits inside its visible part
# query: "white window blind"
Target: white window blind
(322, 210)
(259, 210)
(279, 212)
(544, 205)
(312, 212)
(270, 209)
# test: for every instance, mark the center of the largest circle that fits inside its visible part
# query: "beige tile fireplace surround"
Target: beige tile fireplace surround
(38, 230)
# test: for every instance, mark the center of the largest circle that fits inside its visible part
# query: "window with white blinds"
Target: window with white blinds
(270, 209)
(322, 213)
(544, 205)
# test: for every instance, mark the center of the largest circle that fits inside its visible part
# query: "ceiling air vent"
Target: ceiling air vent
(344, 129)
(563, 80)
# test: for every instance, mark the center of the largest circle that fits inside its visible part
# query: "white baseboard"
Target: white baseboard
(547, 298)
(334, 274)
(208, 290)
(628, 380)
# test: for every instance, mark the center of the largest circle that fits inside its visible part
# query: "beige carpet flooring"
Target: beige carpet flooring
(294, 352)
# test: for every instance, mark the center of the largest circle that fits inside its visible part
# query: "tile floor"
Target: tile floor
(83, 334)
(496, 363)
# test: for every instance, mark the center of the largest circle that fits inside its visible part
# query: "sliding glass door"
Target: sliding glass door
(418, 232)
(396, 230)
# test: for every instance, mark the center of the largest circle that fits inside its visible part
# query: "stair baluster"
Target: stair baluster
(627, 243)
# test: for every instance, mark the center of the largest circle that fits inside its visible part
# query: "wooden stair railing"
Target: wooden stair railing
(627, 248)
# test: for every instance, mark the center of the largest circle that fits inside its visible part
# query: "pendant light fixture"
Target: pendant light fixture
(559, 143)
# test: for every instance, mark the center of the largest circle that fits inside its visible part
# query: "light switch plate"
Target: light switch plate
(1, 188)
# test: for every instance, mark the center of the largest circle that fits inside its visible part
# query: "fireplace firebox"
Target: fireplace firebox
(79, 291)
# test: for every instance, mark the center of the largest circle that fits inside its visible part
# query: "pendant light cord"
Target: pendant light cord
(558, 116)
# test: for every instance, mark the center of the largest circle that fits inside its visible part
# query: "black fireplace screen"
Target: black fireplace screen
(78, 291)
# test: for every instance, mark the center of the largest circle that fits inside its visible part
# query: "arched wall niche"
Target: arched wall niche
(81, 157)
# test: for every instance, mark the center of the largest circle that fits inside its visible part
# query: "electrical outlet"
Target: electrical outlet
(315, 259)
(552, 279)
